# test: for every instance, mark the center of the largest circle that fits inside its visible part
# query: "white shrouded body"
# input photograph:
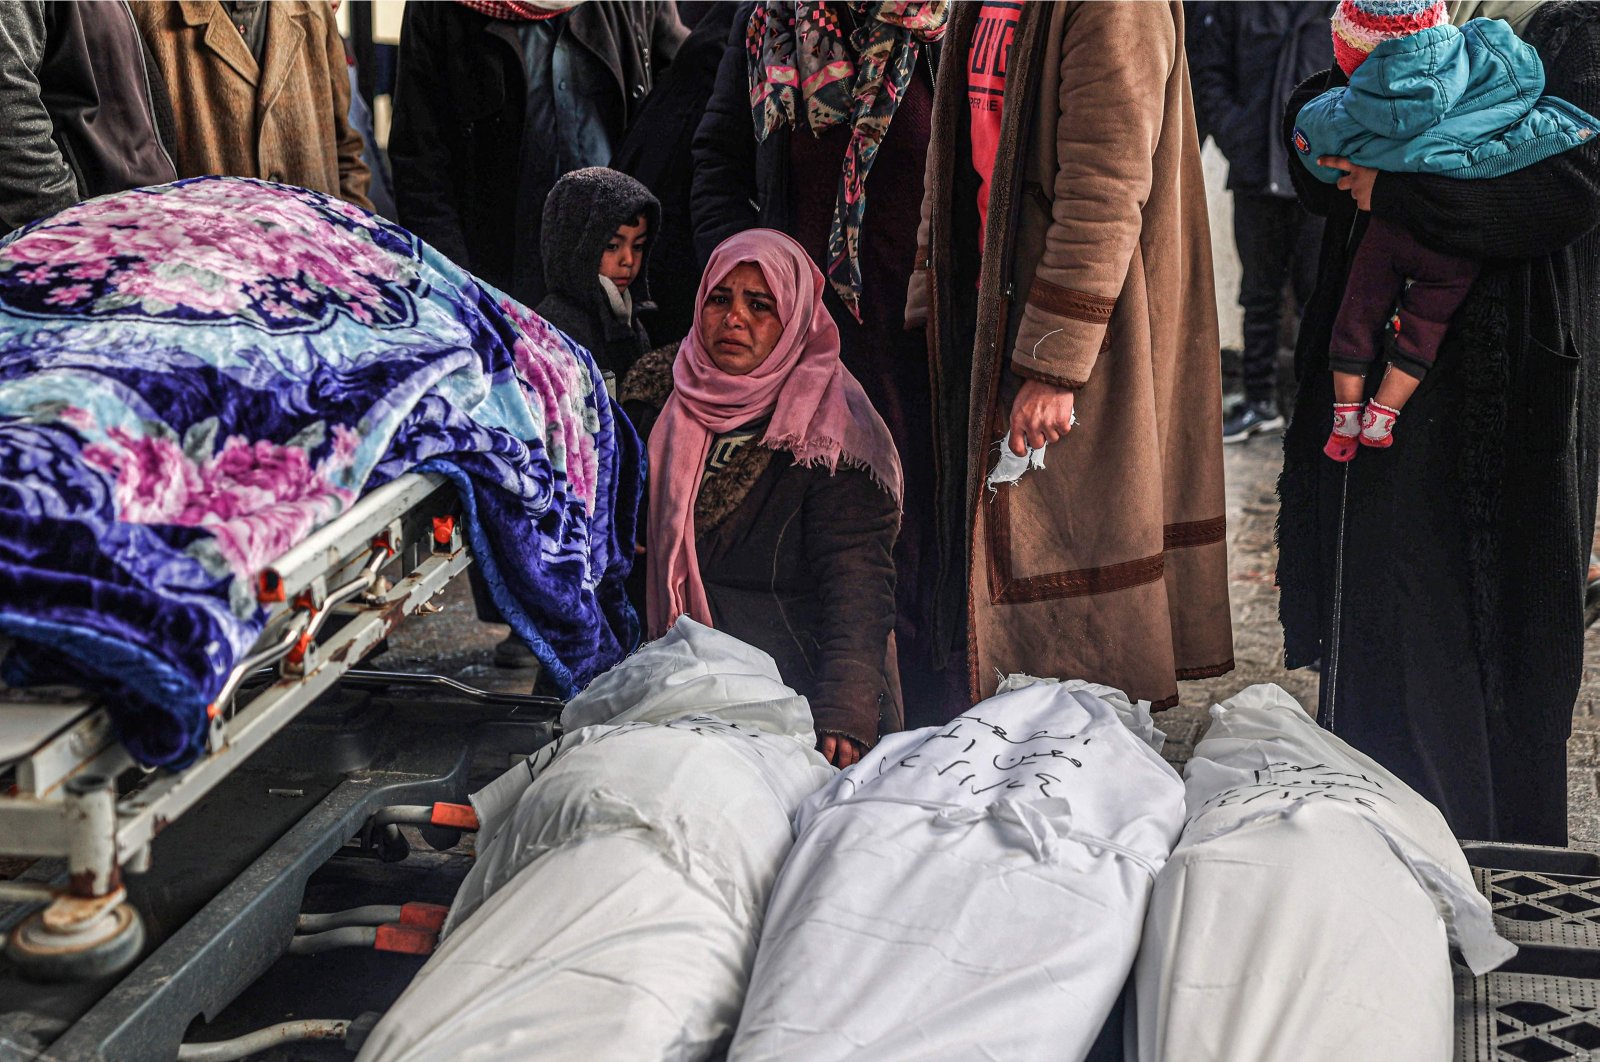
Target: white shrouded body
(622, 871)
(974, 890)
(1307, 912)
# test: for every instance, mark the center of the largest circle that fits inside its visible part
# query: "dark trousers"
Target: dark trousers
(1278, 243)
(1391, 269)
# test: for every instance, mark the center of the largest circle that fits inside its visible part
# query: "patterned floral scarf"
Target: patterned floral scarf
(519, 10)
(797, 50)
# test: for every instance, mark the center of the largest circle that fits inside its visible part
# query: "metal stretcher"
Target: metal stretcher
(69, 790)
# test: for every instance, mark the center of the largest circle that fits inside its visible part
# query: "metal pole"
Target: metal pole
(91, 837)
(1338, 603)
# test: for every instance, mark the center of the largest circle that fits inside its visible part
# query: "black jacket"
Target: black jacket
(738, 183)
(802, 567)
(455, 146)
(1246, 60)
(583, 211)
(1481, 515)
(657, 151)
(84, 110)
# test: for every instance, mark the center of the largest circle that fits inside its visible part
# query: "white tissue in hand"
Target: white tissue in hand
(1010, 467)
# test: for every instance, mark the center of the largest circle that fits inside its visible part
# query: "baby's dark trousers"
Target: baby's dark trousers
(1391, 269)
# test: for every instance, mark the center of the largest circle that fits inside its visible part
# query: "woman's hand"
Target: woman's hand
(1357, 180)
(839, 750)
(1040, 414)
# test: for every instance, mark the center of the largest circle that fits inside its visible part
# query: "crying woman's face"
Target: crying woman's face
(739, 322)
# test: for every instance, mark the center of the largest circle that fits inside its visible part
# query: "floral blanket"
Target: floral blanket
(194, 377)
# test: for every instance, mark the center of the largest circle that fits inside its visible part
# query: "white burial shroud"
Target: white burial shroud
(622, 872)
(970, 891)
(1308, 910)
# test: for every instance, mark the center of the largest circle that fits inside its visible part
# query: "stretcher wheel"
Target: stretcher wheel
(106, 945)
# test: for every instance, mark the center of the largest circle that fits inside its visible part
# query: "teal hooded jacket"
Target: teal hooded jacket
(1462, 103)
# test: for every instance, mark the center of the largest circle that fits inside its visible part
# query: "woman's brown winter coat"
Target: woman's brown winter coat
(1108, 564)
(284, 119)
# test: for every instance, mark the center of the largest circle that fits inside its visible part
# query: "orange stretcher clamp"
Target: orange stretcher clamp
(444, 527)
(269, 587)
(407, 940)
(455, 816)
(297, 655)
(429, 916)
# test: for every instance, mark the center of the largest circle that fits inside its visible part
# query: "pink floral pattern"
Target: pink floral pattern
(196, 377)
(257, 499)
(558, 385)
(212, 260)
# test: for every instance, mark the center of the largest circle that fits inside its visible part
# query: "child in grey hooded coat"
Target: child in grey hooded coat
(597, 229)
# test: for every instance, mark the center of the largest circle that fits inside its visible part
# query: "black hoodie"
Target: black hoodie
(581, 214)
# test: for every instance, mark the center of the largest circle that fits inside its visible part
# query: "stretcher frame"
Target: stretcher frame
(368, 569)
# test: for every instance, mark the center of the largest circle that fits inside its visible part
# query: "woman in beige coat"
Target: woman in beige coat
(1088, 290)
(258, 90)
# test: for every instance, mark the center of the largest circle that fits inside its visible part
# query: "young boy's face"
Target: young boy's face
(624, 253)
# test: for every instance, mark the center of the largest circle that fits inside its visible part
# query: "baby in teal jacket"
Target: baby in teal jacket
(1423, 97)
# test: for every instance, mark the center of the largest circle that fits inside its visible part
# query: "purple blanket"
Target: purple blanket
(194, 377)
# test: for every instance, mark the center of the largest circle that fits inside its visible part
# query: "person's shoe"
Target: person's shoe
(513, 652)
(1591, 594)
(1251, 418)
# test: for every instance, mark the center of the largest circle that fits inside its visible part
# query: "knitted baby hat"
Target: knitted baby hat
(1361, 25)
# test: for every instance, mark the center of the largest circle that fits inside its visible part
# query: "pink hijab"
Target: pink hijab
(819, 414)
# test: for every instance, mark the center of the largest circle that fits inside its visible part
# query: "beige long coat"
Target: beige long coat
(282, 120)
(1109, 564)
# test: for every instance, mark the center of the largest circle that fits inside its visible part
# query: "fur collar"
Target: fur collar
(721, 493)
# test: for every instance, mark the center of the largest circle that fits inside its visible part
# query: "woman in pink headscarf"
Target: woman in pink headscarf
(775, 491)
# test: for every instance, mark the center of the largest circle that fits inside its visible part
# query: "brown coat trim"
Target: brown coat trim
(722, 492)
(1195, 533)
(1030, 373)
(1078, 305)
(1186, 674)
(1006, 588)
